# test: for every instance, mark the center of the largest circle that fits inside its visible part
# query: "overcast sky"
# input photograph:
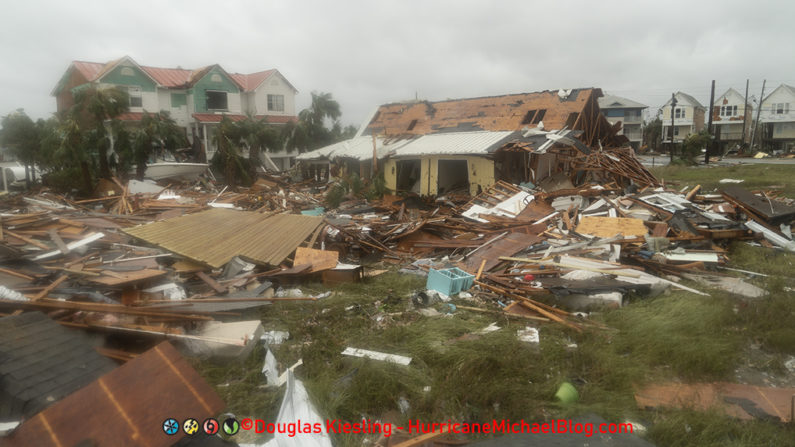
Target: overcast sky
(372, 52)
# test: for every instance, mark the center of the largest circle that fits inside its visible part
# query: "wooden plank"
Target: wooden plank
(125, 405)
(509, 245)
(46, 291)
(109, 278)
(211, 282)
(58, 241)
(28, 240)
(16, 273)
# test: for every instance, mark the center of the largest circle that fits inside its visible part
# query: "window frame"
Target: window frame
(135, 92)
(271, 103)
(207, 100)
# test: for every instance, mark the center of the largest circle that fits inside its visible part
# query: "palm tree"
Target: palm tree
(257, 135)
(20, 134)
(93, 107)
(228, 138)
(310, 132)
(157, 130)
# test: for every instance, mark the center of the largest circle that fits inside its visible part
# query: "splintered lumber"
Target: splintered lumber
(46, 303)
(46, 291)
(532, 304)
(576, 267)
(478, 309)
(27, 239)
(211, 282)
(16, 273)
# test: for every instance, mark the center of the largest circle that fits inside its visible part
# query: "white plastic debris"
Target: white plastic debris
(528, 334)
(274, 337)
(270, 369)
(490, 328)
(364, 353)
(170, 291)
(8, 294)
(730, 180)
(296, 406)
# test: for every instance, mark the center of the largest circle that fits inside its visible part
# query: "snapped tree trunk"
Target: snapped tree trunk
(88, 185)
(253, 159)
(104, 169)
(140, 170)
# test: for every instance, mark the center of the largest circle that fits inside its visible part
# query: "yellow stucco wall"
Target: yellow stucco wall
(481, 173)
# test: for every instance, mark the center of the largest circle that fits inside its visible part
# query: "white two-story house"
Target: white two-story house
(629, 113)
(732, 118)
(197, 99)
(778, 118)
(688, 118)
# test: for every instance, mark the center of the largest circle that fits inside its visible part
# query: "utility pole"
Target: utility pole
(758, 109)
(709, 125)
(745, 118)
(673, 106)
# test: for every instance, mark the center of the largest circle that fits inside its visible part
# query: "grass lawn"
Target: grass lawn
(756, 176)
(457, 375)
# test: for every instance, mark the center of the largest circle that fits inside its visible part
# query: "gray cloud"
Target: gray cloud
(371, 52)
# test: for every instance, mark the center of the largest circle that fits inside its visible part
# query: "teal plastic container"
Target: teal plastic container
(449, 281)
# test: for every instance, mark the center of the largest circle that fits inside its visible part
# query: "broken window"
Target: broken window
(452, 175)
(539, 116)
(408, 175)
(136, 100)
(412, 124)
(216, 100)
(276, 103)
(528, 118)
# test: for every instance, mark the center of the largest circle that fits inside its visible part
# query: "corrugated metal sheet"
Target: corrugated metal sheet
(458, 143)
(215, 236)
(358, 148)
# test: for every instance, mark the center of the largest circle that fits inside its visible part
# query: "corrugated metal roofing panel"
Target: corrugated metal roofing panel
(215, 236)
(458, 143)
(358, 148)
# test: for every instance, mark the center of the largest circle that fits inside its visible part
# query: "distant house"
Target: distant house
(688, 118)
(629, 113)
(432, 148)
(778, 118)
(729, 113)
(197, 99)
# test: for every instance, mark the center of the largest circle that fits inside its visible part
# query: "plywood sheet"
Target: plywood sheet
(736, 400)
(320, 259)
(610, 226)
(122, 278)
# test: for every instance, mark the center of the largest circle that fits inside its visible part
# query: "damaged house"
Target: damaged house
(467, 145)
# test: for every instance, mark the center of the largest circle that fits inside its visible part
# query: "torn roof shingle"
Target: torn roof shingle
(493, 113)
(42, 362)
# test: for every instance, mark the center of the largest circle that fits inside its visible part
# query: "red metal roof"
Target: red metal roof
(88, 69)
(169, 77)
(173, 77)
(279, 119)
(250, 82)
(216, 118)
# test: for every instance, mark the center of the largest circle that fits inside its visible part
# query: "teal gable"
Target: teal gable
(129, 75)
(213, 80)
